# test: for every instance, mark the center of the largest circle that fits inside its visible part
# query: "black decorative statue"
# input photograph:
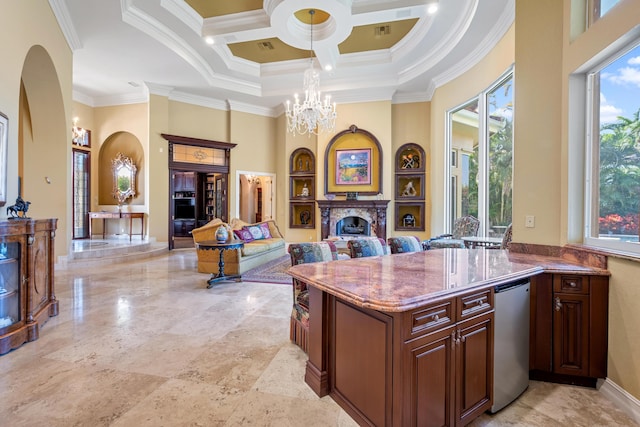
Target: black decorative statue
(19, 206)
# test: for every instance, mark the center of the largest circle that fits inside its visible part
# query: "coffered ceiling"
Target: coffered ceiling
(250, 55)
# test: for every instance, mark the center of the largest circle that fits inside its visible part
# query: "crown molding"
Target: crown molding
(202, 101)
(444, 46)
(82, 98)
(181, 10)
(124, 99)
(252, 109)
(157, 89)
(364, 95)
(61, 12)
(482, 50)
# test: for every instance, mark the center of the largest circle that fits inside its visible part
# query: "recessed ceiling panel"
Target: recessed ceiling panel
(376, 36)
(267, 50)
(211, 8)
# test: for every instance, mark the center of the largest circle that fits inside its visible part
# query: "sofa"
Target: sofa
(254, 253)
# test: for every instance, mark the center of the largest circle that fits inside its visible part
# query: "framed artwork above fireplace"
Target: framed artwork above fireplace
(353, 163)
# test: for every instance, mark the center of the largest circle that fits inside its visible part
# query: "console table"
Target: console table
(103, 215)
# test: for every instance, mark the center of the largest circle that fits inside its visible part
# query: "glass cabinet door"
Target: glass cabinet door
(10, 312)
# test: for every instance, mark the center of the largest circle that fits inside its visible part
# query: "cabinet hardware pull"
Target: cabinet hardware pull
(458, 339)
(435, 318)
(558, 304)
(453, 337)
(573, 284)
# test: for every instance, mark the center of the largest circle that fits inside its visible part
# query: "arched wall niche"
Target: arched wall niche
(129, 145)
(366, 171)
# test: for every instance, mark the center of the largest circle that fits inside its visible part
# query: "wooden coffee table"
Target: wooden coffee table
(221, 246)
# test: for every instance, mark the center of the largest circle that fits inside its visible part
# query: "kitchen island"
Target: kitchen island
(407, 339)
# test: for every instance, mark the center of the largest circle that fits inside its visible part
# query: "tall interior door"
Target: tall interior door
(81, 193)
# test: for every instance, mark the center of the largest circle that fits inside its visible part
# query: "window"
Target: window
(613, 160)
(481, 131)
(598, 8)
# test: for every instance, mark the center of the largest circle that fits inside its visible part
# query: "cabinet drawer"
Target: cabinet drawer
(430, 318)
(475, 303)
(573, 284)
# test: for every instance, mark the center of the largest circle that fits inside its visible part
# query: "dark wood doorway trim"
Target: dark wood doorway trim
(199, 169)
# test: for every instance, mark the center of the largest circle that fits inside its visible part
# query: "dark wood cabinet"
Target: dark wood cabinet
(569, 321)
(450, 378)
(182, 228)
(474, 368)
(27, 296)
(185, 181)
(432, 394)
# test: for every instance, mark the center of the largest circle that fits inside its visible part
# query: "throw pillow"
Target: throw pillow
(244, 235)
(264, 227)
(255, 231)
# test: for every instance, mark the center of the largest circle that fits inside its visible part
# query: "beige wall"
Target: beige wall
(412, 123)
(121, 126)
(158, 168)
(38, 54)
(256, 139)
(451, 95)
(537, 123)
(624, 308)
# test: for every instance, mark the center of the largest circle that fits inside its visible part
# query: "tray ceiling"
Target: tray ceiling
(251, 55)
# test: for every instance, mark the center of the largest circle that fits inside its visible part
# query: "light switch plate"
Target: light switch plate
(529, 221)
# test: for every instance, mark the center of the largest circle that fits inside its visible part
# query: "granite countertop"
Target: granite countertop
(400, 282)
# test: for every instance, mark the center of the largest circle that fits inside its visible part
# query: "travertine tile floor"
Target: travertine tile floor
(146, 344)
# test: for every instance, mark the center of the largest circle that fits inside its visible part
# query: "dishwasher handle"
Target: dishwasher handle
(506, 286)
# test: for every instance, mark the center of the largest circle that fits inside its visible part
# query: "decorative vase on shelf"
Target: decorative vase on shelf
(222, 235)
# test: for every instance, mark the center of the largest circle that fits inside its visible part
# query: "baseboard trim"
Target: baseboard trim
(621, 398)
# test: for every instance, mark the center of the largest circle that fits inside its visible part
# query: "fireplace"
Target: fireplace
(353, 226)
(371, 218)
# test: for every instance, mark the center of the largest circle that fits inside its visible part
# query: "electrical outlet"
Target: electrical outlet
(529, 221)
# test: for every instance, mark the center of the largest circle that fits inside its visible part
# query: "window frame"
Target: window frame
(483, 152)
(592, 154)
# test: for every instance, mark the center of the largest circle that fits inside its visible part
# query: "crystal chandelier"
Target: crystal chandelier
(314, 115)
(77, 133)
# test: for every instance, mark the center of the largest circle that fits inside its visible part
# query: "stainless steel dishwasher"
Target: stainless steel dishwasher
(511, 349)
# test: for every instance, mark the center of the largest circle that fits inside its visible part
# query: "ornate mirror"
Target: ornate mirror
(124, 178)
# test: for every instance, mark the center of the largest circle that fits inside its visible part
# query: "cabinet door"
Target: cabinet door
(571, 334)
(474, 367)
(189, 181)
(178, 228)
(40, 274)
(431, 388)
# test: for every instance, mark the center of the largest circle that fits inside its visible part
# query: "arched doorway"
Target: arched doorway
(44, 150)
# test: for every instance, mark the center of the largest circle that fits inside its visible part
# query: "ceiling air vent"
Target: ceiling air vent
(265, 46)
(383, 30)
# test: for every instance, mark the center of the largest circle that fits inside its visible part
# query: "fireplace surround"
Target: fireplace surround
(373, 211)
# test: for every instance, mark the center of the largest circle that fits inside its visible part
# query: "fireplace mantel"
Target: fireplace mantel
(380, 207)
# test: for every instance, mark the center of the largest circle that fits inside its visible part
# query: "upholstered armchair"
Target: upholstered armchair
(402, 244)
(302, 253)
(367, 246)
(462, 227)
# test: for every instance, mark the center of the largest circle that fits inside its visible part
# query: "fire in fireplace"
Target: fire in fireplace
(353, 226)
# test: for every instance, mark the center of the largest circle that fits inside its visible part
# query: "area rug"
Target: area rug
(270, 272)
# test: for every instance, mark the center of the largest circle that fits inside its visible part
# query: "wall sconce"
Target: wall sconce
(79, 135)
